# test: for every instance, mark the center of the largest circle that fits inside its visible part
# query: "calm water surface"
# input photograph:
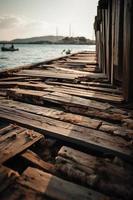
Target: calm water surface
(29, 54)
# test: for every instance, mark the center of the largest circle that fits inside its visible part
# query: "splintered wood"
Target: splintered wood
(65, 133)
(15, 141)
(96, 172)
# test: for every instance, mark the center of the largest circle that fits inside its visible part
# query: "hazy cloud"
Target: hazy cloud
(7, 22)
(20, 26)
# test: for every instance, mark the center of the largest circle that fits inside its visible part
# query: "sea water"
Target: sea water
(34, 53)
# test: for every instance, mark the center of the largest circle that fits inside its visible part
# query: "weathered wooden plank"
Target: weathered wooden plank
(57, 188)
(77, 89)
(73, 118)
(7, 177)
(99, 114)
(94, 95)
(50, 74)
(87, 87)
(16, 141)
(84, 53)
(53, 113)
(73, 104)
(83, 57)
(34, 93)
(82, 67)
(76, 68)
(102, 83)
(46, 74)
(26, 84)
(99, 173)
(75, 99)
(96, 172)
(81, 136)
(64, 69)
(36, 161)
(59, 98)
(81, 62)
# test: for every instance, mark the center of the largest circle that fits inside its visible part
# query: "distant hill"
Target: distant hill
(41, 39)
(52, 40)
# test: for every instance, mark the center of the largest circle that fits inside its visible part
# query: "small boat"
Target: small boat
(8, 49)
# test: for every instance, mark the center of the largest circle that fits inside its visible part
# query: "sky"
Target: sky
(30, 18)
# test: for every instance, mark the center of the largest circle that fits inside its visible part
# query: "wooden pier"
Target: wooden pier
(65, 133)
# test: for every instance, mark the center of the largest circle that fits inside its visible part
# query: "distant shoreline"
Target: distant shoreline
(45, 43)
(59, 40)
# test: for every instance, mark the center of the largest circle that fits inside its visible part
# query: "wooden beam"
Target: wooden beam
(55, 187)
(36, 161)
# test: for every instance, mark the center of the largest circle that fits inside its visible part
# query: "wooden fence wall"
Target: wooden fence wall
(114, 38)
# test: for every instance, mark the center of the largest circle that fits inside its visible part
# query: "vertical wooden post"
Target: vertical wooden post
(128, 50)
(118, 42)
(109, 39)
(113, 39)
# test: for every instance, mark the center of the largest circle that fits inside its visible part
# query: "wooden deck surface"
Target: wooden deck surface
(65, 133)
